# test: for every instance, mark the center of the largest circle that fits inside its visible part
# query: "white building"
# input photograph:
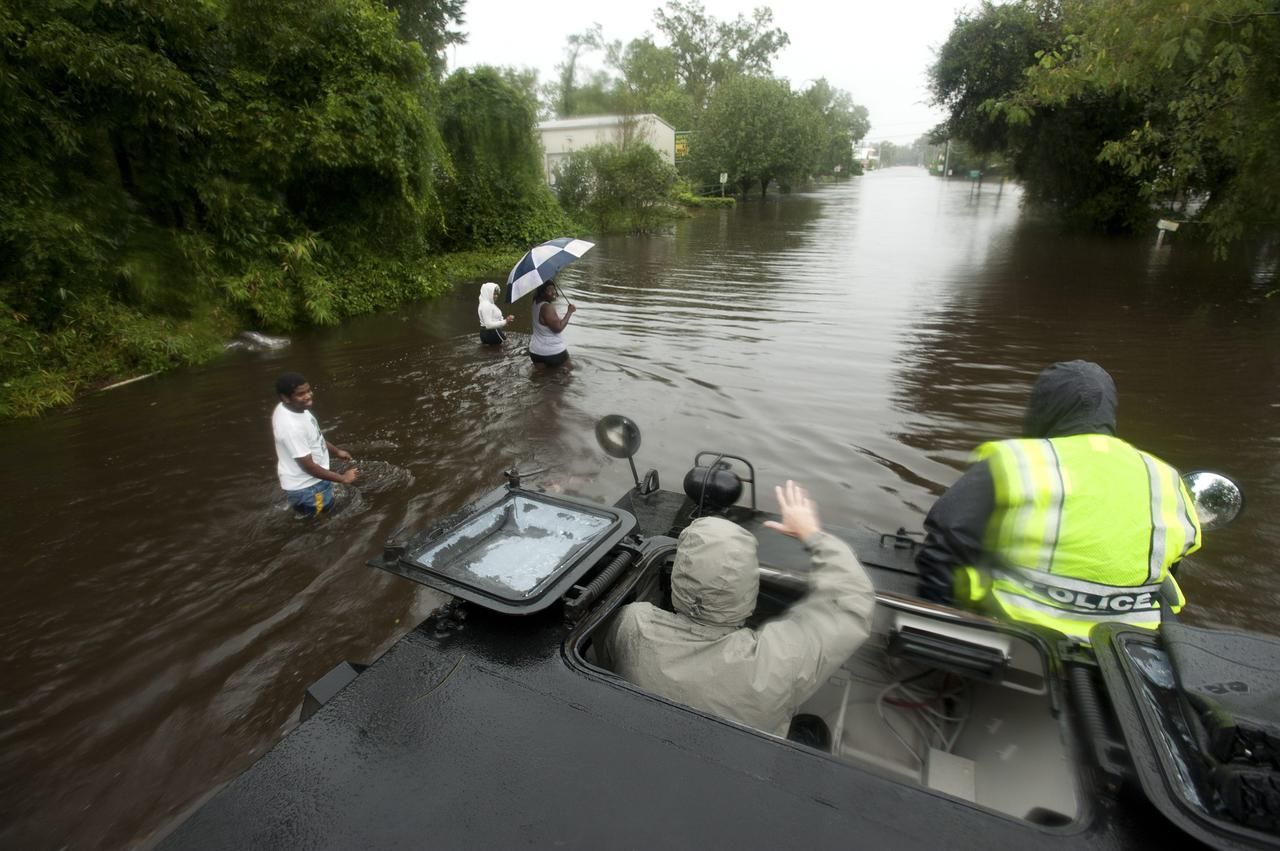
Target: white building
(563, 136)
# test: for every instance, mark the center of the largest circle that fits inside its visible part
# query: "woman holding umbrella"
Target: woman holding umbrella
(546, 346)
(536, 272)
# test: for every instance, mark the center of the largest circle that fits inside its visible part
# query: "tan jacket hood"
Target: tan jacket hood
(716, 575)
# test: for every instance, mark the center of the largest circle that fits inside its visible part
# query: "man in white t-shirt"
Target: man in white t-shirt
(302, 453)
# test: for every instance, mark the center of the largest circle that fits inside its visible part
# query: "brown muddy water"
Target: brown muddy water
(164, 613)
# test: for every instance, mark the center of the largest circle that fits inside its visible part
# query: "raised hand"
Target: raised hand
(799, 513)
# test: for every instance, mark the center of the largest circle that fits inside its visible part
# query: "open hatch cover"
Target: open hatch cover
(1155, 681)
(513, 551)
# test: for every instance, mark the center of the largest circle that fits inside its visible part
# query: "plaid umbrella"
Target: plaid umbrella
(542, 262)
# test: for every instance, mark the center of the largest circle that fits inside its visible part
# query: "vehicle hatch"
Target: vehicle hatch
(514, 551)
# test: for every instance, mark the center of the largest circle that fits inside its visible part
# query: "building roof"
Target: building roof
(583, 121)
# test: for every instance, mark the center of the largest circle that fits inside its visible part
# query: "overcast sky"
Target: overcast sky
(876, 51)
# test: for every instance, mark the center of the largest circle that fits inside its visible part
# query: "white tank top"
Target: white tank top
(544, 341)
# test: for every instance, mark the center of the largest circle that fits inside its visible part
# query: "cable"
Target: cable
(920, 710)
(892, 729)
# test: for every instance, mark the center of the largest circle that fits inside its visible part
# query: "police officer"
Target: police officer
(1067, 527)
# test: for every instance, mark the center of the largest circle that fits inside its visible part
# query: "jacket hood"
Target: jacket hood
(1073, 397)
(489, 293)
(716, 576)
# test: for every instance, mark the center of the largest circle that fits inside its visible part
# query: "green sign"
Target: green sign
(682, 144)
(974, 174)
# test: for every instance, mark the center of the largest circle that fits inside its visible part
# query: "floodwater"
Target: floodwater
(164, 613)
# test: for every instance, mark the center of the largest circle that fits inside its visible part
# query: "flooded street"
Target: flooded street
(165, 613)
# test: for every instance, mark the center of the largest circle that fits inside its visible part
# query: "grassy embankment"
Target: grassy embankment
(102, 341)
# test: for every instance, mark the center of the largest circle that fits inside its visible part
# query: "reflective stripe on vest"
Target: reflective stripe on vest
(1084, 530)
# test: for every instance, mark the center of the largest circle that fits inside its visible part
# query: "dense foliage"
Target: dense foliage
(1205, 82)
(494, 194)
(175, 169)
(756, 130)
(1117, 111)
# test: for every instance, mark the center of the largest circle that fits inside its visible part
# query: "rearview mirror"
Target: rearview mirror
(1218, 499)
(618, 436)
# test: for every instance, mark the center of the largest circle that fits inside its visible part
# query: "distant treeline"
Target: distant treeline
(715, 79)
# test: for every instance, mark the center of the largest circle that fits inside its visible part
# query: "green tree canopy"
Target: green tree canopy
(649, 82)
(983, 62)
(842, 123)
(1207, 79)
(756, 130)
(708, 51)
(1110, 108)
(430, 23)
(980, 77)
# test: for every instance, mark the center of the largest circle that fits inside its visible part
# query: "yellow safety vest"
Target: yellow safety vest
(1084, 531)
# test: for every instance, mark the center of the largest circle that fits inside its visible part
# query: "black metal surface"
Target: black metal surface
(322, 690)
(483, 730)
(1235, 674)
(480, 733)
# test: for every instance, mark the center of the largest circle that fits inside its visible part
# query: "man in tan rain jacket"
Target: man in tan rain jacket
(702, 656)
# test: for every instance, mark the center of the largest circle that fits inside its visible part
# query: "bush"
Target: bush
(688, 199)
(618, 189)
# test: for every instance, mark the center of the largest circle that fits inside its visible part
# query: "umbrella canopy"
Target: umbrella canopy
(542, 262)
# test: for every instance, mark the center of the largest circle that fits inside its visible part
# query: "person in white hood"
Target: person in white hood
(491, 319)
(701, 655)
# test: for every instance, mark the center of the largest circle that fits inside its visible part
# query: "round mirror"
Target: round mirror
(618, 436)
(1218, 499)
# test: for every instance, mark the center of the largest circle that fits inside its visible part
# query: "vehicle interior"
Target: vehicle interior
(962, 708)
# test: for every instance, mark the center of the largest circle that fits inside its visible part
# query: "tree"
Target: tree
(843, 123)
(708, 52)
(756, 129)
(564, 92)
(1208, 85)
(984, 62)
(428, 23)
(649, 82)
(980, 77)
(495, 193)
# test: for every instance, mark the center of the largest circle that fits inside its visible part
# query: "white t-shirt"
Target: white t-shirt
(297, 435)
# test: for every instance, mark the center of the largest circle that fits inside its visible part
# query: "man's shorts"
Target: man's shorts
(313, 500)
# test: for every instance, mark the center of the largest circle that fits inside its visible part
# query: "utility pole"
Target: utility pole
(946, 161)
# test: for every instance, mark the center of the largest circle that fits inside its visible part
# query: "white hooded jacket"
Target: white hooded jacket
(490, 315)
(701, 655)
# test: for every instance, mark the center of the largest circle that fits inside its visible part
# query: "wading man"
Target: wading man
(1066, 527)
(302, 453)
